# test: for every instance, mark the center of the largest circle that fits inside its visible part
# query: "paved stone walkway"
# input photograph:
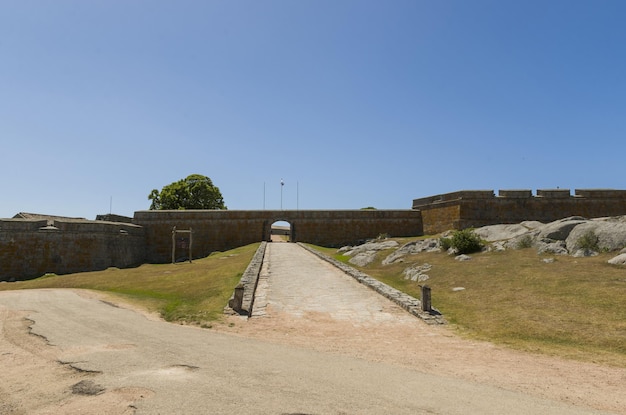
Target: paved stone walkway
(296, 282)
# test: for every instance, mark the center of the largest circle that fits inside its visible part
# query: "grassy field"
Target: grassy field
(193, 293)
(573, 307)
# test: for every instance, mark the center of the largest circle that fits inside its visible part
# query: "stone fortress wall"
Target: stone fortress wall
(476, 208)
(31, 247)
(219, 230)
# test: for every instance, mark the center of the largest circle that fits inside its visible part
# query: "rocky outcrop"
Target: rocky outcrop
(374, 245)
(417, 272)
(559, 230)
(610, 234)
(574, 236)
(494, 233)
(365, 254)
(413, 247)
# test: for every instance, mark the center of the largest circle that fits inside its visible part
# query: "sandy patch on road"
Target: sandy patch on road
(36, 382)
(437, 350)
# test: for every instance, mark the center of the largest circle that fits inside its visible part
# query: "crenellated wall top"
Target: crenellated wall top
(520, 194)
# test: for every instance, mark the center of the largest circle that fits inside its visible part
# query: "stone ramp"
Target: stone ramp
(295, 282)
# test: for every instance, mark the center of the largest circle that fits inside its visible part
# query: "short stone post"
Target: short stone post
(237, 301)
(426, 303)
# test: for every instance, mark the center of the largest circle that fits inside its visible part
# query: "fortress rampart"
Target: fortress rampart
(218, 230)
(31, 247)
(476, 208)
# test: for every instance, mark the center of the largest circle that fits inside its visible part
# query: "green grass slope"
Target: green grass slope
(192, 293)
(572, 307)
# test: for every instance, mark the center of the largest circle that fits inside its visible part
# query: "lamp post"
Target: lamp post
(282, 183)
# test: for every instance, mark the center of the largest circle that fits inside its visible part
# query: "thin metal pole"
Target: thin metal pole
(173, 244)
(190, 242)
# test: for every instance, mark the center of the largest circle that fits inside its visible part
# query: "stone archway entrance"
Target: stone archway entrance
(279, 231)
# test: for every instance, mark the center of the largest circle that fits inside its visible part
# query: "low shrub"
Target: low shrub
(589, 241)
(445, 243)
(525, 242)
(466, 241)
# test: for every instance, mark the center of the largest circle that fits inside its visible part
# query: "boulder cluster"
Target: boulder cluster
(575, 236)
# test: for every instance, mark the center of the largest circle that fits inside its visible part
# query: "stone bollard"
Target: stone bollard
(426, 303)
(237, 300)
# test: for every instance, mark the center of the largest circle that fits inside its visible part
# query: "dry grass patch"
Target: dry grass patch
(572, 307)
(193, 293)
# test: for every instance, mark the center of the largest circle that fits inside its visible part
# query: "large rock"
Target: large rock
(532, 224)
(369, 246)
(559, 230)
(551, 247)
(365, 254)
(363, 259)
(500, 232)
(516, 236)
(413, 247)
(525, 240)
(611, 234)
(417, 272)
(618, 260)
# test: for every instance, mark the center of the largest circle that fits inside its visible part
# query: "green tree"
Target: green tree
(193, 192)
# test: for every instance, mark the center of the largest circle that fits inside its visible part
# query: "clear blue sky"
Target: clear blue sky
(353, 103)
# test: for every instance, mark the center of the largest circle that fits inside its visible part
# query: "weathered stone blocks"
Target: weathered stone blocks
(461, 210)
(31, 248)
(226, 229)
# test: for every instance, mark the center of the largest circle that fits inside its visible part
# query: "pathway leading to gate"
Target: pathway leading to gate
(299, 284)
(304, 301)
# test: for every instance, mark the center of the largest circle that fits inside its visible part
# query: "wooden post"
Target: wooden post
(426, 303)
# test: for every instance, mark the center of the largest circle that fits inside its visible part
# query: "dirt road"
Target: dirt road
(92, 357)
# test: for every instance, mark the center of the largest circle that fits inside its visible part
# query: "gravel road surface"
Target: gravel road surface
(90, 356)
